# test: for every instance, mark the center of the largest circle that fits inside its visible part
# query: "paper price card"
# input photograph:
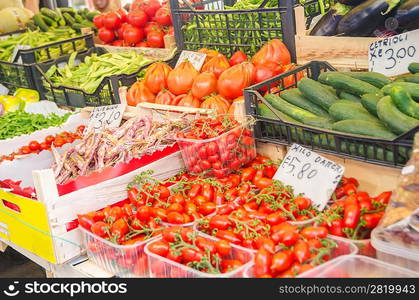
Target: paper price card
(106, 116)
(391, 56)
(310, 174)
(195, 58)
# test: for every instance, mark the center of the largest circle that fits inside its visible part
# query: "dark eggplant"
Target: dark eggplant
(351, 2)
(407, 15)
(363, 19)
(328, 24)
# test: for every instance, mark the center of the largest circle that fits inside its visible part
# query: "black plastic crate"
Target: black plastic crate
(22, 74)
(378, 151)
(207, 24)
(106, 93)
(312, 9)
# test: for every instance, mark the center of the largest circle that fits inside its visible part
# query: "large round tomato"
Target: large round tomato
(133, 35)
(152, 26)
(106, 35)
(263, 73)
(204, 85)
(137, 18)
(163, 17)
(111, 21)
(217, 65)
(232, 81)
(273, 55)
(165, 97)
(98, 21)
(217, 103)
(181, 78)
(139, 93)
(237, 58)
(155, 39)
(189, 101)
(210, 53)
(156, 76)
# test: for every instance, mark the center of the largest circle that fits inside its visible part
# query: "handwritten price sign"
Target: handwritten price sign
(195, 58)
(391, 56)
(310, 174)
(106, 116)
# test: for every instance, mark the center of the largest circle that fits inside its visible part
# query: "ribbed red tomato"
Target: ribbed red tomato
(139, 93)
(155, 77)
(217, 65)
(232, 81)
(181, 78)
(204, 85)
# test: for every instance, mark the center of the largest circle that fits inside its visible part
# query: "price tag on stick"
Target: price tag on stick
(310, 174)
(106, 116)
(195, 58)
(391, 56)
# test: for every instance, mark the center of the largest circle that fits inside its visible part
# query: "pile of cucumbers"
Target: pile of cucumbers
(48, 19)
(361, 103)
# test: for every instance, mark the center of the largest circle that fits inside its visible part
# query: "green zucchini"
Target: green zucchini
(90, 16)
(410, 87)
(363, 127)
(404, 102)
(348, 96)
(39, 21)
(297, 113)
(409, 78)
(317, 93)
(275, 114)
(369, 101)
(294, 96)
(347, 83)
(273, 129)
(376, 79)
(349, 102)
(350, 111)
(413, 68)
(393, 118)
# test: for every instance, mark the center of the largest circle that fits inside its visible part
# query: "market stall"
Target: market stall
(206, 139)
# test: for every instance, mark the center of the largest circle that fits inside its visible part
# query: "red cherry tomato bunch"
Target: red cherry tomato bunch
(355, 214)
(121, 225)
(303, 249)
(184, 246)
(233, 147)
(143, 26)
(191, 199)
(36, 147)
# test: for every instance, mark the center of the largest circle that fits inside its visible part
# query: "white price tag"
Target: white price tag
(106, 116)
(3, 90)
(391, 56)
(310, 174)
(195, 58)
(15, 50)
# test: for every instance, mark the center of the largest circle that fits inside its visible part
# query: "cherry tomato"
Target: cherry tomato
(34, 145)
(282, 260)
(101, 229)
(159, 247)
(312, 232)
(175, 218)
(263, 261)
(223, 247)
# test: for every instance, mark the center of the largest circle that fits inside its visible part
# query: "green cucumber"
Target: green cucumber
(395, 120)
(317, 93)
(294, 96)
(410, 87)
(68, 10)
(350, 111)
(404, 102)
(349, 96)
(68, 19)
(49, 13)
(50, 21)
(78, 26)
(369, 101)
(349, 102)
(409, 78)
(347, 83)
(78, 18)
(39, 21)
(297, 113)
(275, 114)
(376, 79)
(362, 127)
(90, 16)
(413, 68)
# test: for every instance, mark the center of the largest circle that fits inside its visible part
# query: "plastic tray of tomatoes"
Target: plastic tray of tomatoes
(220, 155)
(231, 264)
(343, 247)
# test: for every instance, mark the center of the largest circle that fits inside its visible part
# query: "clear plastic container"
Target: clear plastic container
(393, 253)
(351, 266)
(233, 149)
(121, 260)
(344, 247)
(161, 267)
(364, 246)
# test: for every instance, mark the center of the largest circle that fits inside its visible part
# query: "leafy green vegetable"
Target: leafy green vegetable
(19, 122)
